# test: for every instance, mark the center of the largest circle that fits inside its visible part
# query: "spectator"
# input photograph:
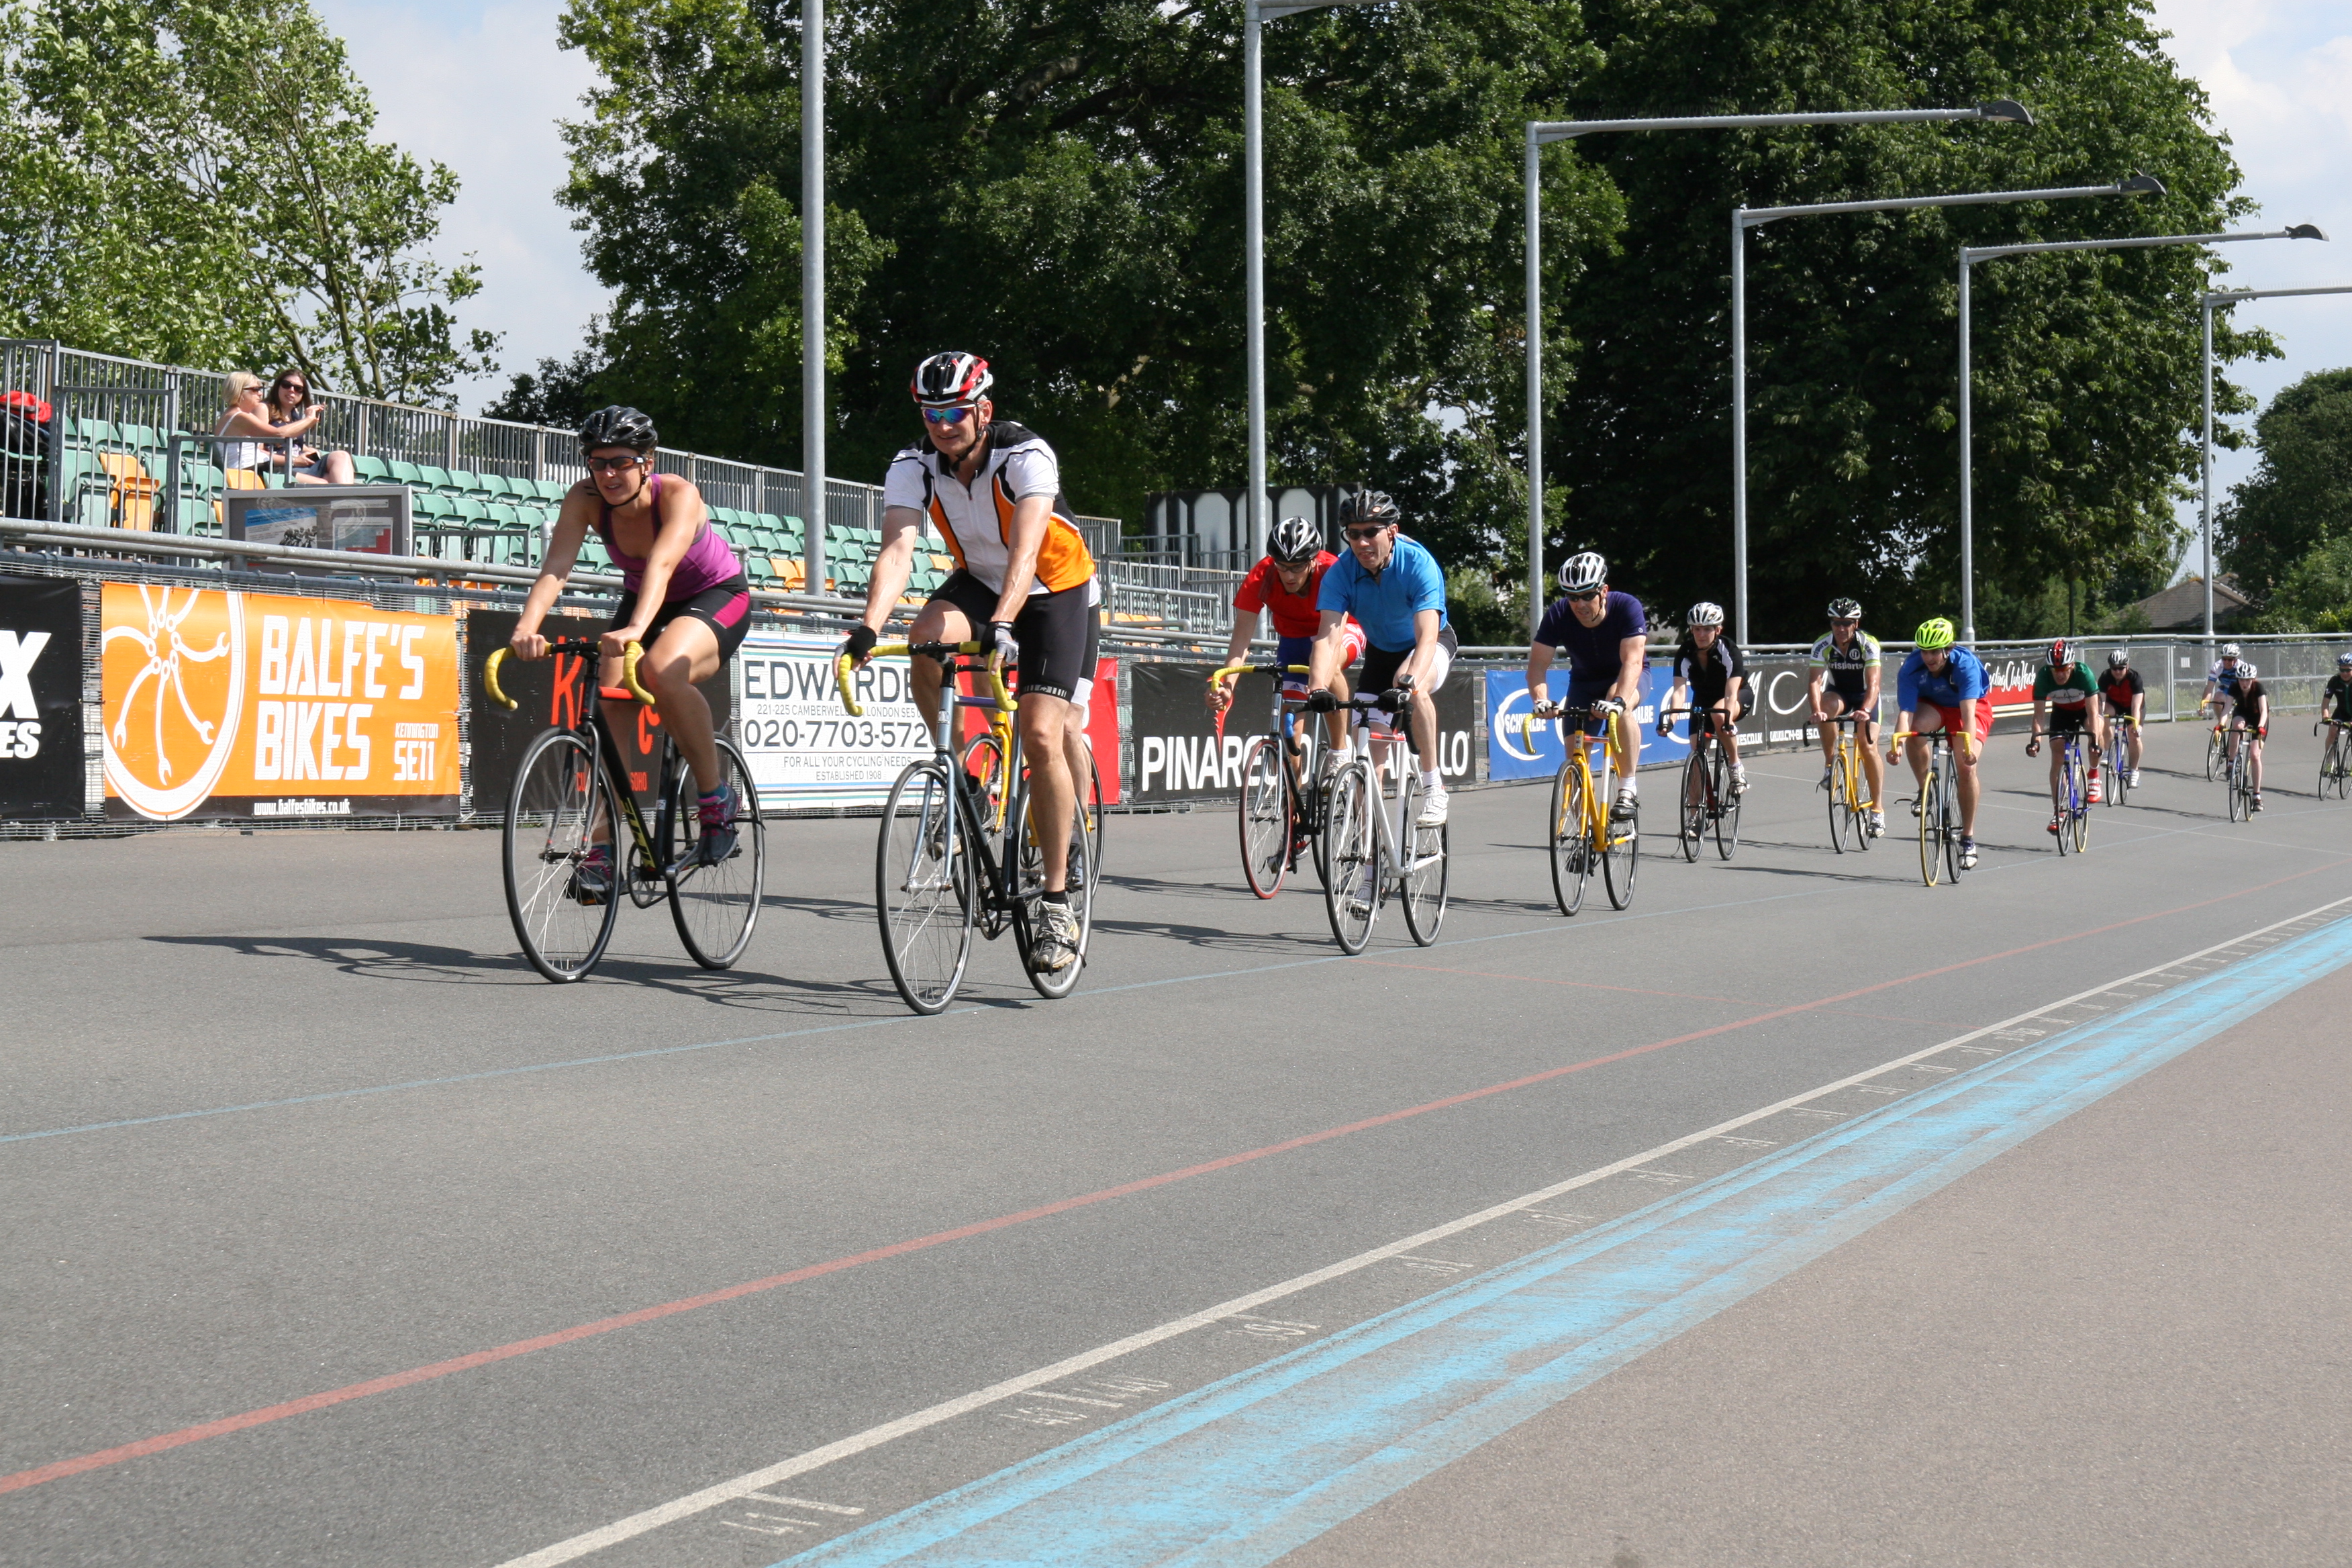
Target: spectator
(248, 415)
(293, 415)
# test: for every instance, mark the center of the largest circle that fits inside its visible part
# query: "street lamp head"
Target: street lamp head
(2007, 110)
(2142, 185)
(2306, 231)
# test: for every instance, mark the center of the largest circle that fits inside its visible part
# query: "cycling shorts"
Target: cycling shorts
(1584, 694)
(2069, 721)
(1854, 695)
(1299, 650)
(725, 608)
(1975, 718)
(1060, 632)
(1380, 667)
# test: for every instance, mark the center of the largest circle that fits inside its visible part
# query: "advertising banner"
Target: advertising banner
(2012, 673)
(40, 698)
(1510, 753)
(1779, 711)
(219, 703)
(550, 691)
(1176, 753)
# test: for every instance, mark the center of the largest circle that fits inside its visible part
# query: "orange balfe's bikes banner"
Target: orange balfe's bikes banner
(218, 704)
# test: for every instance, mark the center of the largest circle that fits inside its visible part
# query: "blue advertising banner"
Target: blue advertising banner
(1511, 755)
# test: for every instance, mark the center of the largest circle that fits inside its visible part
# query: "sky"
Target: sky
(480, 85)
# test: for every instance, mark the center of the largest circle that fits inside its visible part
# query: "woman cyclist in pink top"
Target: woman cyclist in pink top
(686, 598)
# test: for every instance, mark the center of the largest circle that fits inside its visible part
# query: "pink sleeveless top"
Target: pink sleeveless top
(709, 560)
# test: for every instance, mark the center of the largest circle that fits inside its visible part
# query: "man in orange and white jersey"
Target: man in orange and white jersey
(1024, 584)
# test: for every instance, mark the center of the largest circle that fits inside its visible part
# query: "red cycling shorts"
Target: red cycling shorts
(1975, 718)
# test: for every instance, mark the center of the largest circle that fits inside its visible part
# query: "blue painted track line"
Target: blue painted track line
(1250, 1468)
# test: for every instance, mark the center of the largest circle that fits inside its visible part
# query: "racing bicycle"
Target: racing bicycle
(2119, 733)
(1707, 797)
(1849, 811)
(1283, 786)
(1366, 855)
(1583, 829)
(2238, 773)
(956, 852)
(569, 793)
(2071, 803)
(2335, 760)
(1940, 806)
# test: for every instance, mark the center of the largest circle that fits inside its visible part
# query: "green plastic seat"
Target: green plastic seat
(408, 474)
(370, 470)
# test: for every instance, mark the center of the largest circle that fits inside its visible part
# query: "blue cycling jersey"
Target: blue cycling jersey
(1963, 681)
(1385, 603)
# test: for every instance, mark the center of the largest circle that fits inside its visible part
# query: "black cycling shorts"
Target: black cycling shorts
(1854, 699)
(2069, 721)
(726, 609)
(1060, 634)
(1380, 669)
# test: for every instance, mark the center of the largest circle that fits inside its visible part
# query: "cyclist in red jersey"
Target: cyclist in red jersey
(1284, 586)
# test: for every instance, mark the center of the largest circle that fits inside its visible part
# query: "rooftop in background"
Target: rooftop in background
(2181, 607)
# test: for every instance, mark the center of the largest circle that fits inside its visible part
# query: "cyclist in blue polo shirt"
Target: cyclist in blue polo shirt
(1950, 689)
(1396, 591)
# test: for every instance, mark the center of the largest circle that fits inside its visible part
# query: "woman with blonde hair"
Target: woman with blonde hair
(248, 415)
(293, 413)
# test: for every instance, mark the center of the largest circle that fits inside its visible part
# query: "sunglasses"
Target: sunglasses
(946, 416)
(1846, 623)
(1587, 598)
(1365, 535)
(613, 465)
(292, 386)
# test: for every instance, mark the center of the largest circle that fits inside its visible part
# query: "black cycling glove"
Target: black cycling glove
(1321, 701)
(858, 644)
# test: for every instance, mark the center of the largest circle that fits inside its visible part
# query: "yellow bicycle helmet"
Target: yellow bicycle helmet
(1938, 633)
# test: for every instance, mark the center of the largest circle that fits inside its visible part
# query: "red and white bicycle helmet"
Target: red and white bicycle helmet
(951, 380)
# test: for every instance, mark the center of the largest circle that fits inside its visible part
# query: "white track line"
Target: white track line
(729, 1492)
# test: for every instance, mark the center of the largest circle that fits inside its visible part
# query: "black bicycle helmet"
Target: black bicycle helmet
(1845, 610)
(1360, 507)
(618, 426)
(1293, 540)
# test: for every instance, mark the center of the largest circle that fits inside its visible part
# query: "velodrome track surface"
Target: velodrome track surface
(334, 1235)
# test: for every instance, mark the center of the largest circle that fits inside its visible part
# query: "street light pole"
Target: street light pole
(1254, 12)
(813, 487)
(1542, 132)
(2205, 518)
(1972, 254)
(1744, 218)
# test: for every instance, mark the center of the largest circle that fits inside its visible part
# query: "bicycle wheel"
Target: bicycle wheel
(1093, 806)
(2212, 754)
(2233, 796)
(1726, 812)
(1422, 881)
(1694, 803)
(1265, 816)
(2118, 769)
(560, 793)
(1571, 858)
(1354, 874)
(1950, 793)
(1621, 858)
(1845, 820)
(1931, 823)
(2080, 826)
(925, 891)
(716, 906)
(1079, 878)
(2063, 807)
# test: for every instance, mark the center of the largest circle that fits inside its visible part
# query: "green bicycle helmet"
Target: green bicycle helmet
(1938, 633)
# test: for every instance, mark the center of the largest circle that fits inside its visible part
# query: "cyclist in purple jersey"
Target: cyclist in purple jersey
(685, 598)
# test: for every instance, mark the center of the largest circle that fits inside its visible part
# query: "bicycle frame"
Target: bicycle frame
(1940, 809)
(593, 723)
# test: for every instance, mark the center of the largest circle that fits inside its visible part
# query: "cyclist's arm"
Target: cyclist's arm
(1032, 516)
(563, 541)
(1244, 628)
(1814, 683)
(894, 565)
(1425, 627)
(1540, 656)
(1630, 655)
(1323, 662)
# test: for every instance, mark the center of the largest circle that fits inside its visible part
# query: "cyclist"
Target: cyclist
(2223, 679)
(2336, 697)
(1285, 584)
(1024, 587)
(1951, 683)
(685, 598)
(1707, 666)
(1605, 635)
(2125, 695)
(2062, 705)
(1396, 589)
(1845, 666)
(2249, 711)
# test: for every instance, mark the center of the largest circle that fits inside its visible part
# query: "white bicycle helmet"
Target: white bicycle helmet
(1707, 613)
(2228, 650)
(1582, 572)
(2119, 659)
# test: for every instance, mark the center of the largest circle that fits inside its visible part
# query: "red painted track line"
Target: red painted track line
(60, 1469)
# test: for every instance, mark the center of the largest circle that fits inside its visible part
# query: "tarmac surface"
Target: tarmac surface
(334, 1235)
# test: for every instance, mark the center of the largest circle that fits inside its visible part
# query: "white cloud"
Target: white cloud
(480, 86)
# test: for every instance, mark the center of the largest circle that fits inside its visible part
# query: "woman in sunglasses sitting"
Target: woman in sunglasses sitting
(293, 415)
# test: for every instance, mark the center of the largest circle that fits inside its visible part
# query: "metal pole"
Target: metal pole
(813, 418)
(1535, 384)
(1967, 483)
(1739, 424)
(1254, 248)
(2206, 511)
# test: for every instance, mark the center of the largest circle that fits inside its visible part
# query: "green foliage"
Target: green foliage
(2316, 593)
(2086, 366)
(197, 181)
(1057, 187)
(2300, 497)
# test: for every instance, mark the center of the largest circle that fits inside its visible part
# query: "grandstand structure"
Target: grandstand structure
(97, 440)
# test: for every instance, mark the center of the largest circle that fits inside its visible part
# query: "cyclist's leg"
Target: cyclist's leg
(1726, 730)
(1076, 748)
(688, 644)
(2255, 759)
(958, 608)
(1352, 644)
(1424, 700)
(1873, 766)
(1054, 631)
(1967, 745)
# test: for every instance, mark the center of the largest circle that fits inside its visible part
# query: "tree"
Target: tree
(2086, 365)
(2300, 497)
(197, 181)
(1057, 187)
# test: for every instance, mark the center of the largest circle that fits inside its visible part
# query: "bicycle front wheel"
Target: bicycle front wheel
(1572, 856)
(1265, 816)
(1351, 883)
(1423, 879)
(2212, 754)
(1931, 824)
(1726, 813)
(1844, 818)
(1694, 803)
(924, 887)
(1623, 858)
(716, 900)
(2081, 826)
(560, 795)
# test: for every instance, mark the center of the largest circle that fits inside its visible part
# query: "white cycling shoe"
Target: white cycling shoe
(1432, 810)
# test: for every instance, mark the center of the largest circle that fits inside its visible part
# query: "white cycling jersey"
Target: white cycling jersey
(976, 519)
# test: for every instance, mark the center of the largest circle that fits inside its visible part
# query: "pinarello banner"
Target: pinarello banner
(219, 703)
(551, 693)
(40, 698)
(1175, 752)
